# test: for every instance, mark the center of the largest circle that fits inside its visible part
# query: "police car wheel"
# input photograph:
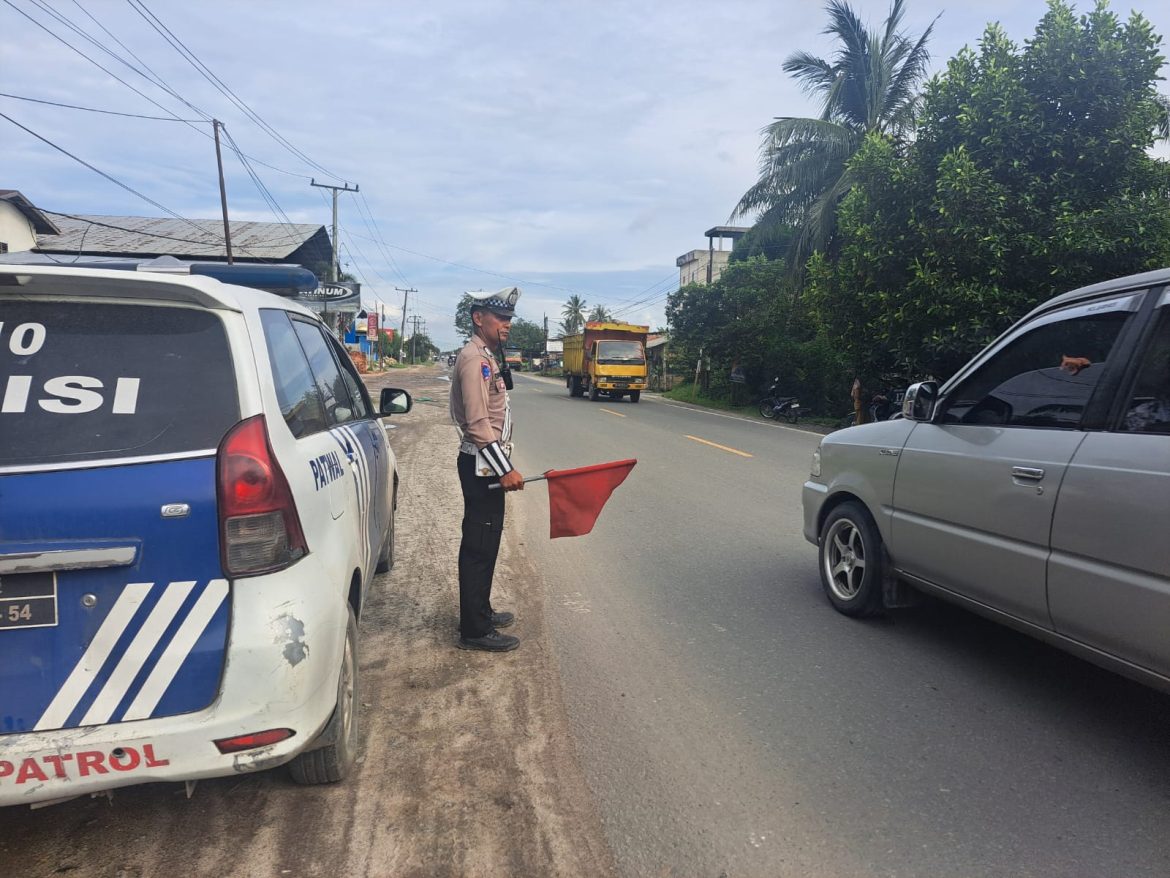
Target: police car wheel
(386, 556)
(332, 762)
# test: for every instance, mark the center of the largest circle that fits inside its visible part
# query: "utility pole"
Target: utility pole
(335, 267)
(227, 231)
(335, 263)
(402, 330)
(416, 320)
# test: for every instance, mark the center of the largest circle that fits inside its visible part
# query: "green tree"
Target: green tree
(1029, 175)
(750, 317)
(420, 348)
(574, 315)
(600, 314)
(869, 86)
(463, 317)
(526, 335)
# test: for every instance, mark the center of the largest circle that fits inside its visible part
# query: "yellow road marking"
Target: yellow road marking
(608, 412)
(720, 447)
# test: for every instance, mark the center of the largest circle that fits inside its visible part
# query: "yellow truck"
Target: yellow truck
(607, 358)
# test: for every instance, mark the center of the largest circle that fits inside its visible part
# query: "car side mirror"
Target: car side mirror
(394, 402)
(920, 401)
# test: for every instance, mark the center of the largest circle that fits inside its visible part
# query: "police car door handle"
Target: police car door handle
(67, 559)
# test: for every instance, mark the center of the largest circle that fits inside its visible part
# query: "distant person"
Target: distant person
(479, 407)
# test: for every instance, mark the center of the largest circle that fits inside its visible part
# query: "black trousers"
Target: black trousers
(483, 525)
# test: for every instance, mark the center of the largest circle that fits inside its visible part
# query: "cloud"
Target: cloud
(583, 146)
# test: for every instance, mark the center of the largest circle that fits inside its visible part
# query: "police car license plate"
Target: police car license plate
(28, 600)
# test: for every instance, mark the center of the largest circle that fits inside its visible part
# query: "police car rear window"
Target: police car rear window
(82, 381)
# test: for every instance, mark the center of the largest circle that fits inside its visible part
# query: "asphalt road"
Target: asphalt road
(731, 723)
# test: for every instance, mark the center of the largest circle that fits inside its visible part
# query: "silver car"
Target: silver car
(1032, 487)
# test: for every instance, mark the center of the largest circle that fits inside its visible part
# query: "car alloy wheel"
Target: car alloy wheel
(844, 559)
(852, 560)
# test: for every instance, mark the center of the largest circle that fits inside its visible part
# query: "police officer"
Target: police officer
(479, 407)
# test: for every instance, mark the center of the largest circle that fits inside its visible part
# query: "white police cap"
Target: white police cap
(501, 302)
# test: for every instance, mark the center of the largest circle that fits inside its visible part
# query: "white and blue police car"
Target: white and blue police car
(195, 494)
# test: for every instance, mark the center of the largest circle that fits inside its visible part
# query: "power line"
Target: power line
(104, 69)
(167, 34)
(95, 110)
(515, 280)
(160, 83)
(277, 211)
(381, 238)
(154, 77)
(101, 173)
(646, 297)
(46, 8)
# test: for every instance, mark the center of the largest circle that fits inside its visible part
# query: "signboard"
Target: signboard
(333, 294)
(372, 326)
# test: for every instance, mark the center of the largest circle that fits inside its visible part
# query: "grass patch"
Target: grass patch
(687, 393)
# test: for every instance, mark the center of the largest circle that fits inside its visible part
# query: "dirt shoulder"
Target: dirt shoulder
(467, 764)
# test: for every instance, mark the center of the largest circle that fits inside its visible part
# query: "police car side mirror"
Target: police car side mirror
(394, 402)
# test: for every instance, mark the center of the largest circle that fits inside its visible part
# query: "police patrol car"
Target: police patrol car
(195, 494)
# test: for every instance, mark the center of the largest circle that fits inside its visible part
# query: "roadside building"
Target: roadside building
(196, 240)
(21, 223)
(705, 266)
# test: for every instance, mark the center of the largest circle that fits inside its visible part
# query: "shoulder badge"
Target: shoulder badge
(486, 370)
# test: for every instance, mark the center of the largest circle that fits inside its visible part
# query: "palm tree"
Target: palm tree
(601, 314)
(574, 314)
(870, 86)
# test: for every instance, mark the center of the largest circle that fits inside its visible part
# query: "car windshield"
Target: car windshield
(610, 353)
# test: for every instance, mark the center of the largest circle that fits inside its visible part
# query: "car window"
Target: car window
(82, 381)
(1149, 404)
(1041, 378)
(357, 390)
(335, 395)
(296, 389)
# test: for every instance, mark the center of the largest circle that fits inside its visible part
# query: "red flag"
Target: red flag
(575, 496)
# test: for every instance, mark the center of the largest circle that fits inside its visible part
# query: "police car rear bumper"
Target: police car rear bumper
(281, 671)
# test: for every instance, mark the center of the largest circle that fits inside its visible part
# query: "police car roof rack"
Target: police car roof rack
(283, 280)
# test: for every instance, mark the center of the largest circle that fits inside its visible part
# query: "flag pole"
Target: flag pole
(494, 485)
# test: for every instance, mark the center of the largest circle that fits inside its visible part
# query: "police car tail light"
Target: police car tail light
(260, 530)
(255, 739)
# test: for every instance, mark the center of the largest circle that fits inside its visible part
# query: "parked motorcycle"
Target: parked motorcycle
(774, 406)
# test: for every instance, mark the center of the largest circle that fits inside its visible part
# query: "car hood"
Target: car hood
(886, 433)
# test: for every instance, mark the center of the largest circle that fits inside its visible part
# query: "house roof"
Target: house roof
(733, 232)
(41, 224)
(152, 236)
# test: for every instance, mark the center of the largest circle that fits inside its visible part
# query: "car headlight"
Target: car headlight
(816, 462)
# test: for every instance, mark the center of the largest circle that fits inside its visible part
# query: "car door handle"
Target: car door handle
(1031, 473)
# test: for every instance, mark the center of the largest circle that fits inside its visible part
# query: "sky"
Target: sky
(564, 147)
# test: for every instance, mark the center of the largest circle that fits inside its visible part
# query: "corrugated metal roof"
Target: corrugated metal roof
(151, 236)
